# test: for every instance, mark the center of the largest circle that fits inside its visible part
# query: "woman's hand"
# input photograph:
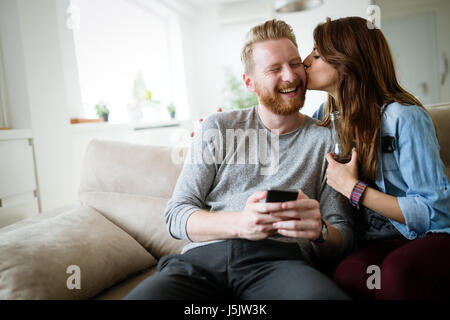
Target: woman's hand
(342, 177)
(201, 120)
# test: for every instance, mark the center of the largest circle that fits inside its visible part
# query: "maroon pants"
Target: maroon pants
(409, 269)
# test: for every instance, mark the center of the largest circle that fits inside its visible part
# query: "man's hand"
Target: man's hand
(300, 218)
(255, 222)
(201, 120)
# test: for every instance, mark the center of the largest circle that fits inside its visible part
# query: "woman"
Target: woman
(396, 176)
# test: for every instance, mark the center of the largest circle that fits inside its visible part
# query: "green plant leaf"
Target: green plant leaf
(236, 95)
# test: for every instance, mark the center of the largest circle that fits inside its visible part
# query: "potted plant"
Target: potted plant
(172, 110)
(102, 111)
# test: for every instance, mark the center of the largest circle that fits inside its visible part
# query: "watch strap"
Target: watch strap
(357, 192)
(322, 231)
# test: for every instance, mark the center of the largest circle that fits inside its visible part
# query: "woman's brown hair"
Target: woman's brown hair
(366, 81)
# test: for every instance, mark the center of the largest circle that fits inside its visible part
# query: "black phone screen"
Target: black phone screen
(279, 195)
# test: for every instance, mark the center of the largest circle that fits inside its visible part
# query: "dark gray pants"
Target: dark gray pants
(237, 269)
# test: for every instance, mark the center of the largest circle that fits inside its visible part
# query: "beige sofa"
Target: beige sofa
(104, 246)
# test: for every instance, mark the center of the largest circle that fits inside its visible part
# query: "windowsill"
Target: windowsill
(132, 126)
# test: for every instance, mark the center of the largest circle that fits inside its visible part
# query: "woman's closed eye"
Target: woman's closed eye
(316, 53)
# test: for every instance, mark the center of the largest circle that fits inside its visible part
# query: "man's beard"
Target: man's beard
(276, 104)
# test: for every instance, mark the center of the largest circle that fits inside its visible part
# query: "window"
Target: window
(123, 47)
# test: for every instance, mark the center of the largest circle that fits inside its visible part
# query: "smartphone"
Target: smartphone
(279, 195)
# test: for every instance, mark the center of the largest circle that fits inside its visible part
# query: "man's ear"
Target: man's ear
(248, 82)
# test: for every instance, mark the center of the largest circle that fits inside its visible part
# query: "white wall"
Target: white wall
(219, 35)
(205, 67)
(37, 90)
(186, 27)
(441, 10)
(3, 115)
(43, 57)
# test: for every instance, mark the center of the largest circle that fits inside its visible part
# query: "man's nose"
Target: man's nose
(289, 74)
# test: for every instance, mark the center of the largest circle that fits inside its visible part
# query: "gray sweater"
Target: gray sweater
(234, 155)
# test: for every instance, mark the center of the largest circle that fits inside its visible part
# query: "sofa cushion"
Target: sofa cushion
(39, 217)
(130, 184)
(113, 166)
(139, 215)
(121, 289)
(35, 259)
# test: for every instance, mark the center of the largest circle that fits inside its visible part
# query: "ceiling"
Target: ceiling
(204, 2)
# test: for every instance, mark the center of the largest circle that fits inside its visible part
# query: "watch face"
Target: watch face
(324, 232)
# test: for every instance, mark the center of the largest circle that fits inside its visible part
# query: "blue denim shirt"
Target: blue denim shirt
(413, 172)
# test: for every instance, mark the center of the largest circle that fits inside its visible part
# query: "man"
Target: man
(240, 246)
